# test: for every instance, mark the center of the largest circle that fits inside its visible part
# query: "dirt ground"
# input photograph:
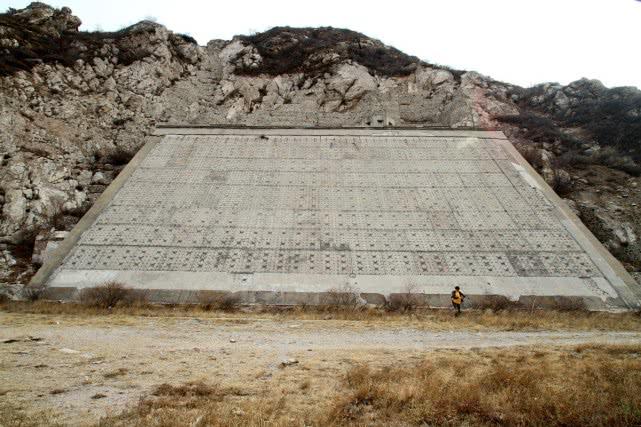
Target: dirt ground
(77, 369)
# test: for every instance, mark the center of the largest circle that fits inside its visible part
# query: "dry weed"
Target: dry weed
(112, 294)
(344, 296)
(227, 301)
(408, 300)
(33, 293)
(497, 303)
(191, 389)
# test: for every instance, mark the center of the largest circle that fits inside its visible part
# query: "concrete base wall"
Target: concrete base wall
(442, 301)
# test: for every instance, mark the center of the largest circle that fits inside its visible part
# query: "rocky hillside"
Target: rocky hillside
(75, 106)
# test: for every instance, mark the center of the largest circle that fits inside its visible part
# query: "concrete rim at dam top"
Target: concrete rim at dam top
(288, 216)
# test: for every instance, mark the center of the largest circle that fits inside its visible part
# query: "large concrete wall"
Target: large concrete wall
(286, 215)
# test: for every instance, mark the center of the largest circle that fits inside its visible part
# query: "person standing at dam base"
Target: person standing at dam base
(457, 300)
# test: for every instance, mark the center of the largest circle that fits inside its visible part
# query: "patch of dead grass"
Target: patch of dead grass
(12, 414)
(198, 389)
(587, 385)
(116, 373)
(192, 403)
(227, 302)
(597, 387)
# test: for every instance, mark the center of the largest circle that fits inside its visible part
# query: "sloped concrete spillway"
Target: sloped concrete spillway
(285, 215)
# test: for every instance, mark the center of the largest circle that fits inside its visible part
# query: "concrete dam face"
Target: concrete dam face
(287, 216)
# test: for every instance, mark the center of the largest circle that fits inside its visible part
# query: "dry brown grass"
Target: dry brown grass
(33, 293)
(406, 301)
(497, 317)
(594, 386)
(587, 385)
(12, 414)
(191, 389)
(117, 373)
(223, 301)
(498, 303)
(192, 403)
(345, 297)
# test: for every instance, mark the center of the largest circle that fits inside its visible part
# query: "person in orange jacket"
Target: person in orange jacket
(457, 299)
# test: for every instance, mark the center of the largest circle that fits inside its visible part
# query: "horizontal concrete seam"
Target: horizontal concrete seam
(334, 250)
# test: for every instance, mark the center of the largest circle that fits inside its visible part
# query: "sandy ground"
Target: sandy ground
(81, 368)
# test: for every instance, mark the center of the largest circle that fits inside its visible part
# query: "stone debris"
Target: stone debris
(288, 362)
(100, 178)
(21, 339)
(45, 244)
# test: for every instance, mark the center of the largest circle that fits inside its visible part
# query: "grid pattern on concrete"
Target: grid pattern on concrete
(365, 205)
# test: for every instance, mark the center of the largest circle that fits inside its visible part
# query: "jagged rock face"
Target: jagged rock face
(50, 21)
(62, 122)
(611, 117)
(72, 118)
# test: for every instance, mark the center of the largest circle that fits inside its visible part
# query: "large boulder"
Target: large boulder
(52, 21)
(347, 86)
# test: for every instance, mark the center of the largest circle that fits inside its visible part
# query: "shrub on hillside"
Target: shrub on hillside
(539, 129)
(112, 294)
(611, 117)
(305, 50)
(36, 45)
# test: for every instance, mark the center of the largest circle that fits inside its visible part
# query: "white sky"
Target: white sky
(516, 41)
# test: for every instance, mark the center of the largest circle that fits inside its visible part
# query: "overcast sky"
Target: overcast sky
(522, 42)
